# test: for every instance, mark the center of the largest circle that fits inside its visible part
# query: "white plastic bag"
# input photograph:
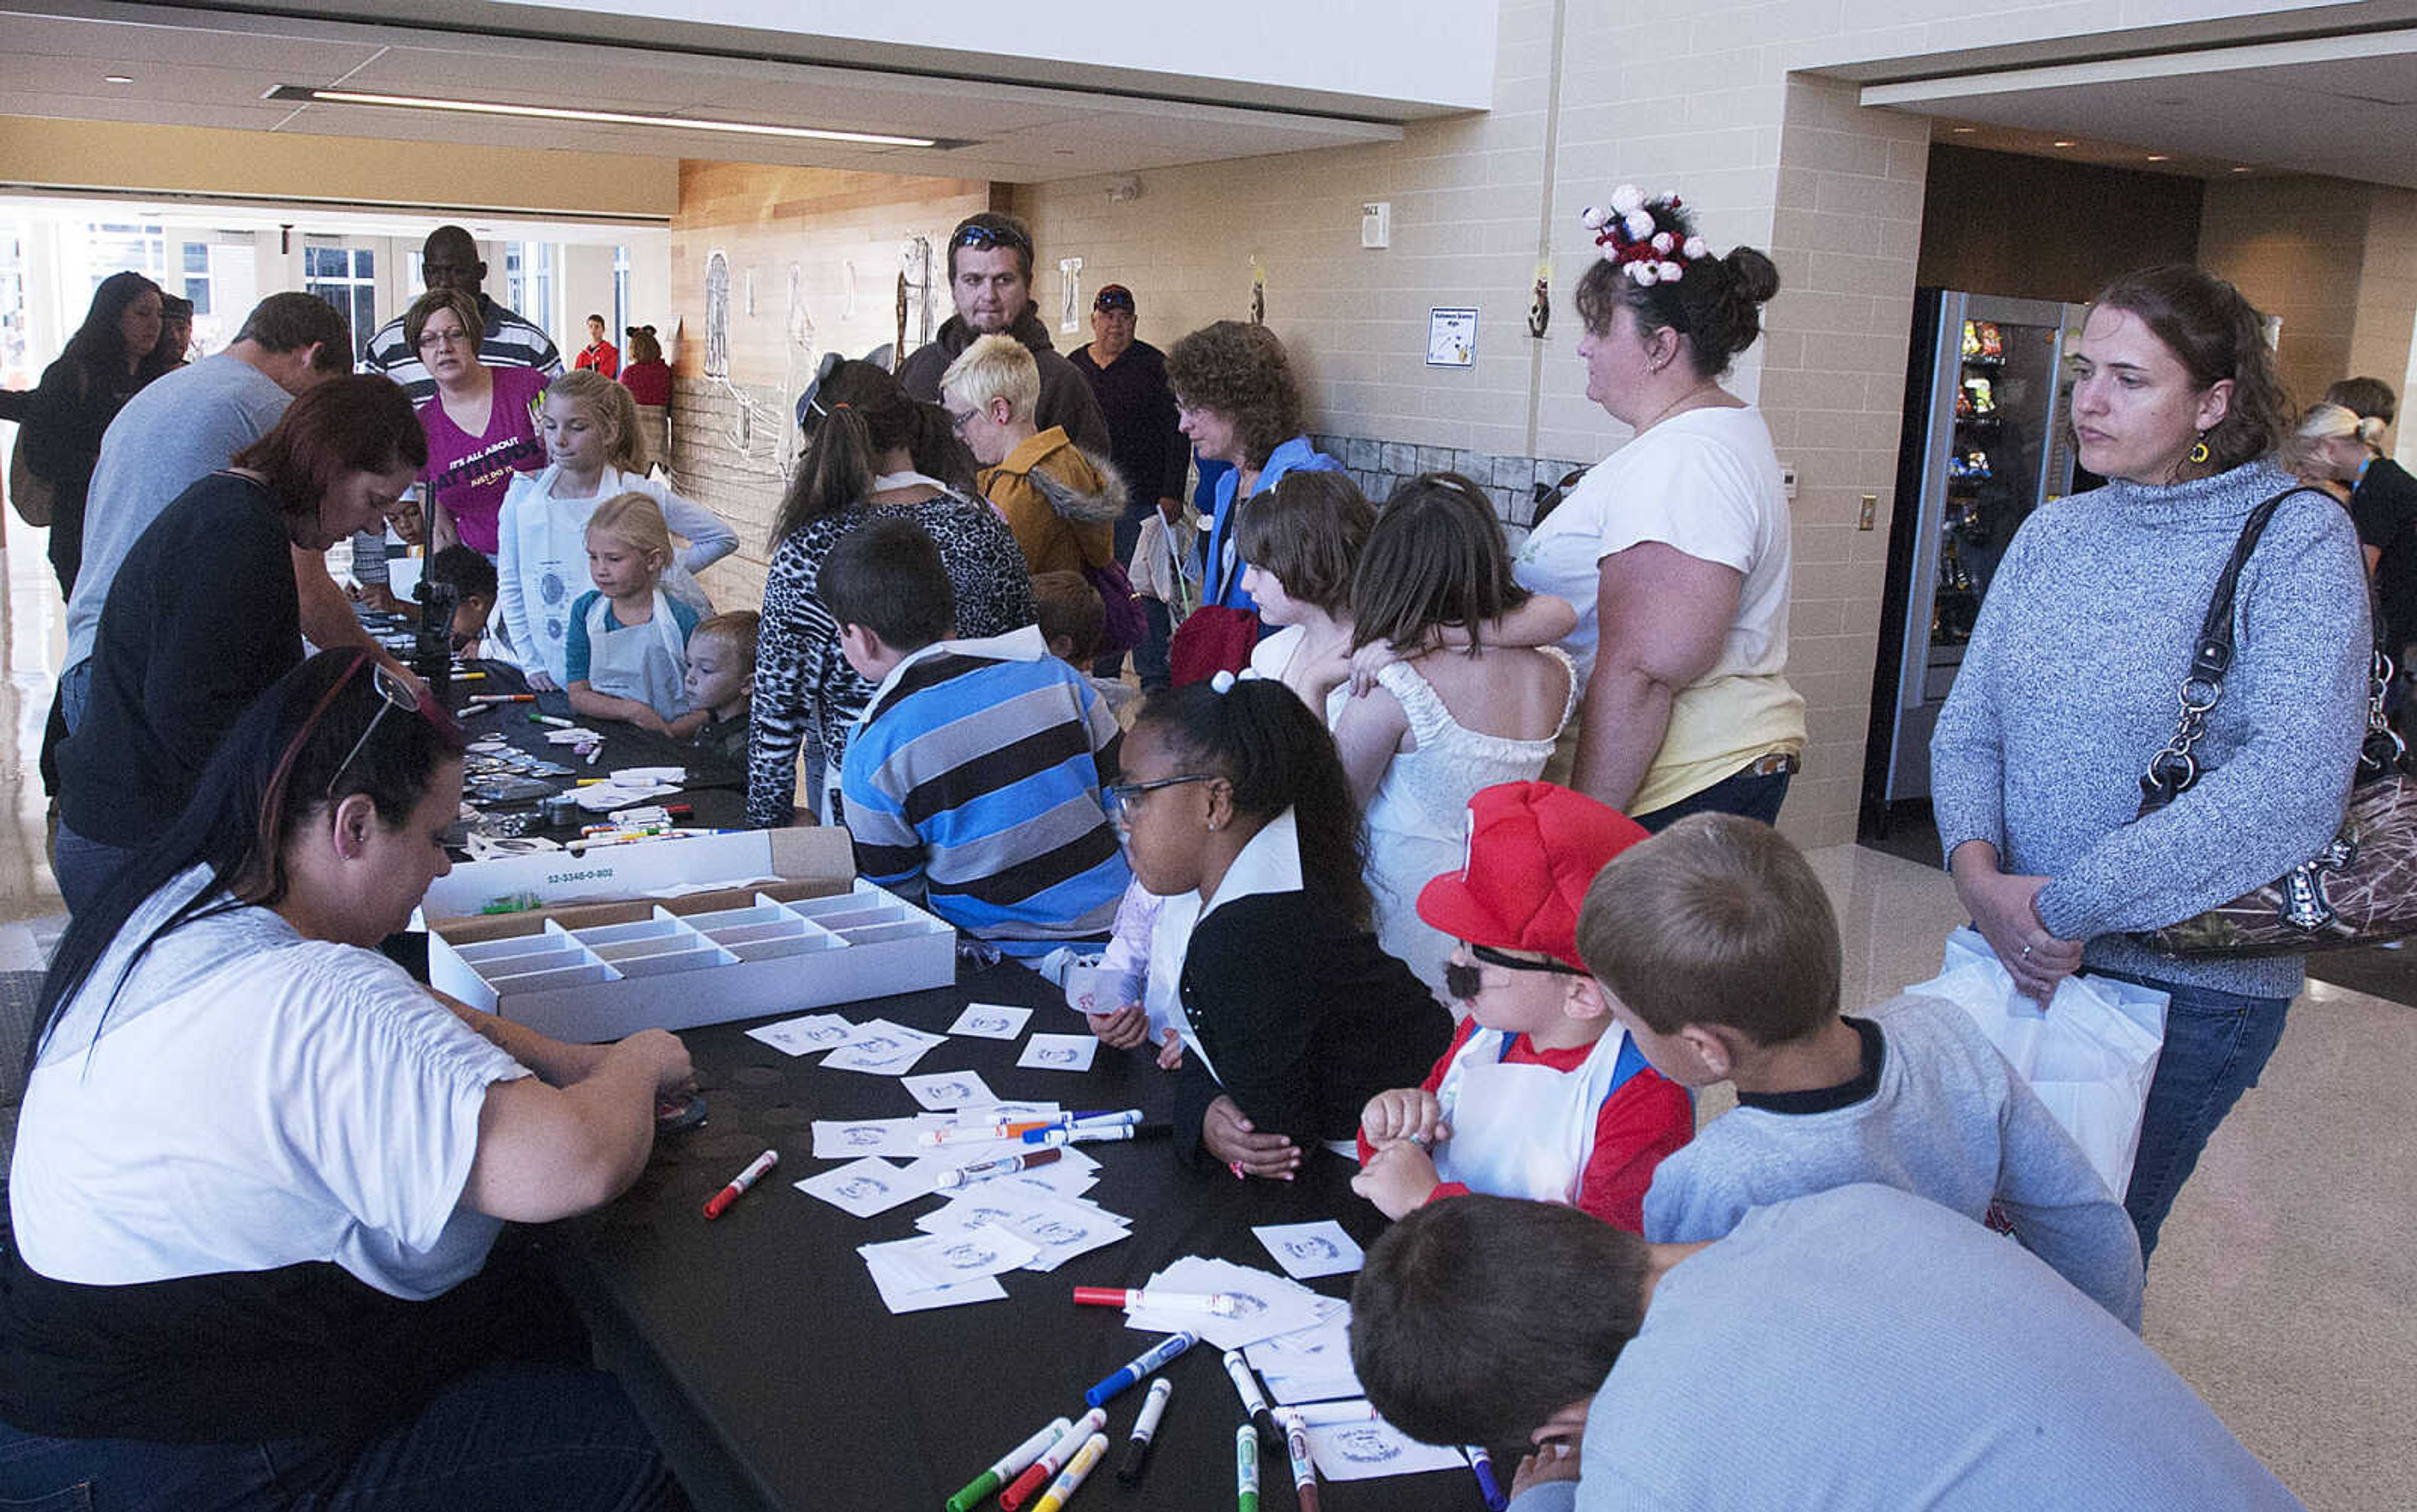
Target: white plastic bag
(2091, 1056)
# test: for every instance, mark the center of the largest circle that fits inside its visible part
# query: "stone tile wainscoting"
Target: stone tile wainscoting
(1513, 484)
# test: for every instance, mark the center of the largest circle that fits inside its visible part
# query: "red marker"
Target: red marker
(719, 1203)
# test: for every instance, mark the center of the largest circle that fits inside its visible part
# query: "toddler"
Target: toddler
(721, 679)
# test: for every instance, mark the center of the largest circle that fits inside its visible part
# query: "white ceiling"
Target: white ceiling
(2338, 105)
(194, 67)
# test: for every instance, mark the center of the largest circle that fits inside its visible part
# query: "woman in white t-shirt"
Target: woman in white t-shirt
(259, 1169)
(1675, 548)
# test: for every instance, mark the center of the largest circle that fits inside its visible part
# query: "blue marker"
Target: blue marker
(1481, 1462)
(1153, 1359)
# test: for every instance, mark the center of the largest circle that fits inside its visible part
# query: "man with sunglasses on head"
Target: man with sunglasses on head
(1541, 1094)
(449, 259)
(990, 277)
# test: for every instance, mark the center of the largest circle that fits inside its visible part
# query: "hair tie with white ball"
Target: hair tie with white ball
(1643, 234)
(1223, 682)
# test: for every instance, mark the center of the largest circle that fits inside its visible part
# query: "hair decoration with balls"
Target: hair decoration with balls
(1644, 239)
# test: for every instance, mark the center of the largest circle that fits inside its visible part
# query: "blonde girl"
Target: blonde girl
(625, 650)
(594, 451)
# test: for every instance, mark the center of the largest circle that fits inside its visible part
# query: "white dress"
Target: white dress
(1417, 821)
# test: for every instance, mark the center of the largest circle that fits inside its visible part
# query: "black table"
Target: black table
(760, 1352)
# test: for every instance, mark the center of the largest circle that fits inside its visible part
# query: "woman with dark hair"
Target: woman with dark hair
(204, 614)
(1235, 810)
(1300, 542)
(872, 452)
(259, 1169)
(1238, 401)
(646, 375)
(106, 362)
(2067, 690)
(1675, 549)
(480, 422)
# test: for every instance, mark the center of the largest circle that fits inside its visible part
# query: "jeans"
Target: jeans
(529, 1436)
(1756, 797)
(2216, 1045)
(84, 867)
(1150, 657)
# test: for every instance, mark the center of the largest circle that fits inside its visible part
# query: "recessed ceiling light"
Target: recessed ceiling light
(304, 94)
(117, 78)
(1963, 130)
(2063, 142)
(2161, 157)
(2241, 169)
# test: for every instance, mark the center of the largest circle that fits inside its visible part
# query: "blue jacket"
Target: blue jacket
(1222, 561)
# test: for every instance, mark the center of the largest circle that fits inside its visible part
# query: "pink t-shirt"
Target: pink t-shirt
(468, 474)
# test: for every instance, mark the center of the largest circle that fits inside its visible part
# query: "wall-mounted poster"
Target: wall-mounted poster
(1452, 338)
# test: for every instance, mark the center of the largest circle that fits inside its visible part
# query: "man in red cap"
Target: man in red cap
(1541, 1094)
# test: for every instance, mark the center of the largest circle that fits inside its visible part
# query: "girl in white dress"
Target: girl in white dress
(1461, 709)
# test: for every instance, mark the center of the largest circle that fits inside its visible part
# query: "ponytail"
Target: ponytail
(1262, 738)
(836, 472)
(855, 414)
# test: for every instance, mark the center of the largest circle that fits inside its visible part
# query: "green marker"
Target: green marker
(1018, 1460)
(1246, 1469)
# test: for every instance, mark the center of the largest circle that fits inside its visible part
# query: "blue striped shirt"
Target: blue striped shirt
(974, 784)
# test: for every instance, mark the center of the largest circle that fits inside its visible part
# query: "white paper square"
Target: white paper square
(1059, 1052)
(948, 1260)
(901, 1292)
(1268, 1304)
(946, 1091)
(1313, 1365)
(867, 1186)
(991, 1021)
(882, 1048)
(852, 1138)
(1311, 1250)
(810, 1035)
(1364, 1451)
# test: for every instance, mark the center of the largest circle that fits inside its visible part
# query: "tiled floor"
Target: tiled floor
(2283, 1287)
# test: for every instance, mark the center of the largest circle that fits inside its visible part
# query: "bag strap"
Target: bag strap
(2173, 770)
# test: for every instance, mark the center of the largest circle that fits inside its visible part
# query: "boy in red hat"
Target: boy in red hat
(1541, 1094)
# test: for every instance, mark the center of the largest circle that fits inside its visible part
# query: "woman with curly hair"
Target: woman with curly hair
(1236, 399)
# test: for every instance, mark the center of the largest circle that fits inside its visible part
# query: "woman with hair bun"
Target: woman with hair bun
(1675, 548)
(2067, 690)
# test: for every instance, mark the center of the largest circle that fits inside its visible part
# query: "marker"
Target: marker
(556, 720)
(1304, 1473)
(1070, 1480)
(1331, 1414)
(1130, 1298)
(1482, 1463)
(1003, 1166)
(1246, 1470)
(1093, 1133)
(1011, 1463)
(1053, 1459)
(1153, 1358)
(719, 1201)
(1145, 1428)
(1254, 1401)
(483, 698)
(977, 1133)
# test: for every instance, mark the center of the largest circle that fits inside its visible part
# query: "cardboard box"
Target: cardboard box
(789, 928)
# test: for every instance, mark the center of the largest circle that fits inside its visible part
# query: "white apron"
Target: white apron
(550, 540)
(647, 663)
(1525, 1131)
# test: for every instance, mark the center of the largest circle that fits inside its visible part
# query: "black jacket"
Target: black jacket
(1132, 392)
(1305, 1016)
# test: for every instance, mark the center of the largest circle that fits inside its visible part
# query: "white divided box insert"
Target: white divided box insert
(592, 971)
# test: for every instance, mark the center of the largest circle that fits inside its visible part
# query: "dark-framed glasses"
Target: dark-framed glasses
(1119, 800)
(393, 691)
(1463, 981)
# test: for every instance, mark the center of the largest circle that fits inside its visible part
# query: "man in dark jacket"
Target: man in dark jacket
(990, 277)
(1127, 378)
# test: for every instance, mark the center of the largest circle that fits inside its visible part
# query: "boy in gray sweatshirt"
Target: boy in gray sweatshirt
(1721, 957)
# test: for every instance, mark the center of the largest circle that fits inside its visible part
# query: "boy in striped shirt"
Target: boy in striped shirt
(973, 780)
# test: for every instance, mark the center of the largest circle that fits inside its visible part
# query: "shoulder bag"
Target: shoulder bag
(2362, 887)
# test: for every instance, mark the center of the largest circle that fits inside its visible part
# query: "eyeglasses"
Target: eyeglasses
(443, 338)
(984, 237)
(1465, 982)
(1119, 800)
(958, 421)
(397, 693)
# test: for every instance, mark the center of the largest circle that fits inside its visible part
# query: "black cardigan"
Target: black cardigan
(1305, 1016)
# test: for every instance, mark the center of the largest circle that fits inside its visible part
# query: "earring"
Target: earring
(2198, 453)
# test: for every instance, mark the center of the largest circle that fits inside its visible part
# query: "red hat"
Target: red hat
(1533, 849)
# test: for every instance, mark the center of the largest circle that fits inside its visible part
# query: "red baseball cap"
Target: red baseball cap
(1533, 849)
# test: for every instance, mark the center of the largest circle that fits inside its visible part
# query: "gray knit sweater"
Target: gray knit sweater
(2071, 682)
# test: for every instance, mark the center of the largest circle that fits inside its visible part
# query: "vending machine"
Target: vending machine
(1986, 441)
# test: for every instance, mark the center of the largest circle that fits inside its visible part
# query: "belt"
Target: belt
(1777, 764)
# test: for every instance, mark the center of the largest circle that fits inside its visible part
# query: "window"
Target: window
(113, 248)
(345, 276)
(528, 282)
(197, 276)
(621, 320)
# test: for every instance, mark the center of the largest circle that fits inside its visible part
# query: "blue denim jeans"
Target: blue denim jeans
(1756, 797)
(2216, 1045)
(83, 867)
(529, 1436)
